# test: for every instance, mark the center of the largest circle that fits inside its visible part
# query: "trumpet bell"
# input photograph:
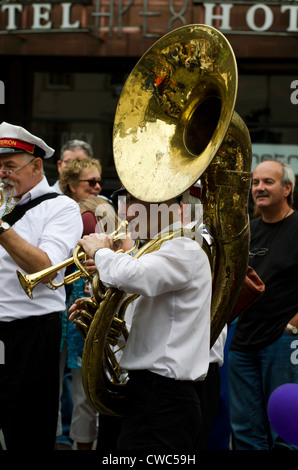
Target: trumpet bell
(174, 112)
(29, 281)
(27, 286)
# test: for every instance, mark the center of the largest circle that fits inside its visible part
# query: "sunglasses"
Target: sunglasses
(92, 183)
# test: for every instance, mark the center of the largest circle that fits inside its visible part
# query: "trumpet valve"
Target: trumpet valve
(83, 322)
(115, 331)
(82, 327)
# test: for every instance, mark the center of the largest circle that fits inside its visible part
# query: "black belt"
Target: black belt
(143, 374)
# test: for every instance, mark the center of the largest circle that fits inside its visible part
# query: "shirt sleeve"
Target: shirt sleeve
(168, 269)
(61, 232)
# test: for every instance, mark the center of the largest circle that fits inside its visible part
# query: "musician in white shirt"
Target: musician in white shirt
(34, 235)
(168, 345)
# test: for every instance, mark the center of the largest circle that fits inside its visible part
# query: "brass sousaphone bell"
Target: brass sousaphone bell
(174, 112)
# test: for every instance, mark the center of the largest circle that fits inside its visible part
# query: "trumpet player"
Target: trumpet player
(36, 231)
(168, 345)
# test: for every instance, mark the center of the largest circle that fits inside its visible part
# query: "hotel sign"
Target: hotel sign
(256, 17)
(149, 18)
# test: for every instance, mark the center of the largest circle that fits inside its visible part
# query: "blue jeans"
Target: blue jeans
(253, 377)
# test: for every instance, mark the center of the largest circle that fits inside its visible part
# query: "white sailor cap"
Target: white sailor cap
(16, 139)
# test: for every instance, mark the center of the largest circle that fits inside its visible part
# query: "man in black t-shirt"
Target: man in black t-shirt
(262, 345)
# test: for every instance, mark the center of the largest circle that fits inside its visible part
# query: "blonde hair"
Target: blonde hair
(104, 212)
(72, 171)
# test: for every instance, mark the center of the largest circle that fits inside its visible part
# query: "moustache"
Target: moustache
(261, 194)
(5, 183)
(7, 187)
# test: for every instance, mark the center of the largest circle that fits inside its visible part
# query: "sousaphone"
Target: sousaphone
(175, 123)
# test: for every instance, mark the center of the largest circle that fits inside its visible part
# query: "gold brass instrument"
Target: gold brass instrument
(175, 123)
(225, 191)
(29, 281)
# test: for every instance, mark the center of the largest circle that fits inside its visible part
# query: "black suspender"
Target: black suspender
(20, 210)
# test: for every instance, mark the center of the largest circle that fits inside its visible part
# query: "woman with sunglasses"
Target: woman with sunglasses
(81, 178)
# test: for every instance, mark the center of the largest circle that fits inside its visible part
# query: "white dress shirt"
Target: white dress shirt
(170, 329)
(217, 350)
(54, 226)
(56, 187)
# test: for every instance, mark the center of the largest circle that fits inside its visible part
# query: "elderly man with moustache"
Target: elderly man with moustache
(71, 150)
(260, 352)
(37, 230)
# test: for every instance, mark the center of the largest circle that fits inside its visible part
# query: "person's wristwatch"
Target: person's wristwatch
(4, 226)
(292, 328)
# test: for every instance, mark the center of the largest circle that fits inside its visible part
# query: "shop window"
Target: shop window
(264, 103)
(58, 81)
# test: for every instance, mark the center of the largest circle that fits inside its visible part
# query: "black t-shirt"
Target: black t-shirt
(275, 259)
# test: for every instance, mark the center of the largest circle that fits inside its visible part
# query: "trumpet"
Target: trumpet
(29, 281)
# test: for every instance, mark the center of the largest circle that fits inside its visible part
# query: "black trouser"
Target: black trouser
(29, 382)
(161, 415)
(209, 394)
(109, 428)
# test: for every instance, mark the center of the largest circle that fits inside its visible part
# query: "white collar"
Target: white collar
(41, 188)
